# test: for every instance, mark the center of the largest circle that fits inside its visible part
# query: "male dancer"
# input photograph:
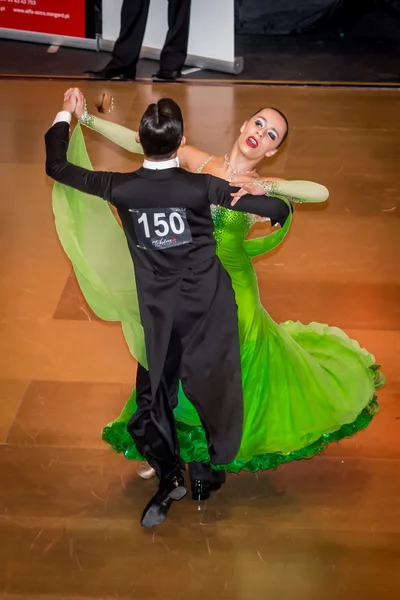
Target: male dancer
(186, 300)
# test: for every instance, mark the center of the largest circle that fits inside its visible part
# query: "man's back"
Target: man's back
(166, 217)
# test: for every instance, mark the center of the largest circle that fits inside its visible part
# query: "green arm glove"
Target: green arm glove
(119, 135)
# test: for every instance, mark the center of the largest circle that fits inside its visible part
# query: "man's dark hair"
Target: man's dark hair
(283, 138)
(161, 129)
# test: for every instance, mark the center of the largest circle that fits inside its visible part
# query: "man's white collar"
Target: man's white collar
(161, 165)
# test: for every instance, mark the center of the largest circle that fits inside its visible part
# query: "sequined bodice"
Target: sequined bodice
(229, 225)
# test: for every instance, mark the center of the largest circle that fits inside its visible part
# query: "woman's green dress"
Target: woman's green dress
(304, 386)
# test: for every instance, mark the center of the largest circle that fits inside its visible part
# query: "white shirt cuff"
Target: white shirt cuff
(63, 115)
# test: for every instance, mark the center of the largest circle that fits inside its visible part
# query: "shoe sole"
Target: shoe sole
(178, 493)
(154, 517)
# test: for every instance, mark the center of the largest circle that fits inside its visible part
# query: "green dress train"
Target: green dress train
(304, 386)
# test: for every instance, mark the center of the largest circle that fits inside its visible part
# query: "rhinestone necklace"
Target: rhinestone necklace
(236, 171)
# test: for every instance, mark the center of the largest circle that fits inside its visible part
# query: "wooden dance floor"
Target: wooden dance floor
(325, 528)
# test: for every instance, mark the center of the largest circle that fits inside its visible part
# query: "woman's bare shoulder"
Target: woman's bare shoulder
(191, 158)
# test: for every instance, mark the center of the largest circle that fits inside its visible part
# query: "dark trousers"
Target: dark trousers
(152, 426)
(134, 15)
(162, 450)
(192, 337)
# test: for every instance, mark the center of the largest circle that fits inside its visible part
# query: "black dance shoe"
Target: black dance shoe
(171, 489)
(201, 490)
(111, 72)
(163, 75)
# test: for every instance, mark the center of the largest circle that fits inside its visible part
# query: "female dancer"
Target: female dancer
(304, 385)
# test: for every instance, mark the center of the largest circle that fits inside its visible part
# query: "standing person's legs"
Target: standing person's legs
(174, 52)
(127, 48)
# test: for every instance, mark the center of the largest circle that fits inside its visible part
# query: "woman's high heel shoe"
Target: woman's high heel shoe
(145, 471)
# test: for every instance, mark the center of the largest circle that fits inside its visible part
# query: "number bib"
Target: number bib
(159, 229)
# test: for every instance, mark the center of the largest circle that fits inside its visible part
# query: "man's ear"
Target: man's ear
(183, 142)
(137, 137)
